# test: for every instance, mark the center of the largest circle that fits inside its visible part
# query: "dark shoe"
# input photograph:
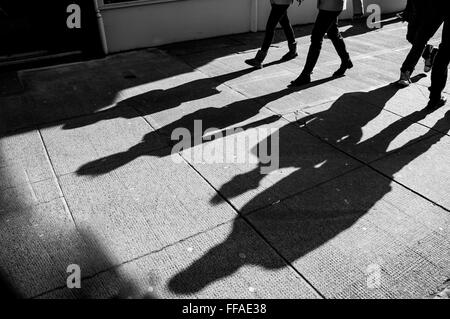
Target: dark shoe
(292, 54)
(434, 104)
(303, 79)
(343, 68)
(257, 60)
(405, 79)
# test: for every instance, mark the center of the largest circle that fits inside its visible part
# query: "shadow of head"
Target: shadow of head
(342, 120)
(305, 222)
(242, 247)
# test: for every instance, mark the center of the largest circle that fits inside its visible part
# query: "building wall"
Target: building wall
(148, 23)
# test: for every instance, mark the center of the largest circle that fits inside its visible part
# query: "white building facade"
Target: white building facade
(127, 25)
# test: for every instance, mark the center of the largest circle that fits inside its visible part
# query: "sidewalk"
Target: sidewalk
(359, 206)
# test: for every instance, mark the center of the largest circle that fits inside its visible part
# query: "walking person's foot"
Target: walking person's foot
(436, 103)
(347, 65)
(257, 60)
(303, 79)
(292, 54)
(405, 79)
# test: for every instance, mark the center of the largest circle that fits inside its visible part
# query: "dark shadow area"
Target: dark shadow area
(7, 292)
(300, 224)
(23, 274)
(217, 118)
(160, 100)
(10, 84)
(110, 281)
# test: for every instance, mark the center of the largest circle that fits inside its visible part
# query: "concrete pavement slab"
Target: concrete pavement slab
(40, 242)
(25, 155)
(317, 92)
(77, 142)
(359, 128)
(336, 235)
(210, 265)
(412, 166)
(139, 203)
(26, 175)
(413, 99)
(219, 108)
(10, 118)
(239, 177)
(82, 88)
(38, 234)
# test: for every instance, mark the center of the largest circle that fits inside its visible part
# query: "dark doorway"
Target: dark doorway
(39, 28)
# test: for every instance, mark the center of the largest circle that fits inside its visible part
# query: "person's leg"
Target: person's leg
(424, 33)
(440, 67)
(413, 25)
(324, 20)
(358, 8)
(427, 27)
(290, 36)
(287, 27)
(338, 41)
(275, 15)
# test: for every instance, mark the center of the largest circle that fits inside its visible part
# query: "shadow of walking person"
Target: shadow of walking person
(307, 219)
(210, 118)
(341, 125)
(159, 100)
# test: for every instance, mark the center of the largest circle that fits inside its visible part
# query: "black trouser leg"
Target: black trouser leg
(427, 28)
(413, 25)
(441, 63)
(277, 12)
(358, 7)
(287, 28)
(338, 42)
(324, 21)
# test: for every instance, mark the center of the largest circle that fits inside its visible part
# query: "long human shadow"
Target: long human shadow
(308, 219)
(211, 117)
(159, 100)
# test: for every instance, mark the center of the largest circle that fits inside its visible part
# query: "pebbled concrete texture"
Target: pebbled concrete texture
(333, 233)
(143, 206)
(356, 205)
(433, 153)
(181, 270)
(303, 163)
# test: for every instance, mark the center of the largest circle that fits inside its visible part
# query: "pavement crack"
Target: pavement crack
(58, 184)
